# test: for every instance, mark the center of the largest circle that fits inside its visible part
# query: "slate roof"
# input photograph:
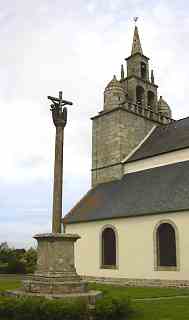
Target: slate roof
(163, 139)
(152, 191)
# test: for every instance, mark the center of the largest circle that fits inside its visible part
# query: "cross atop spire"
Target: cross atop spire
(136, 47)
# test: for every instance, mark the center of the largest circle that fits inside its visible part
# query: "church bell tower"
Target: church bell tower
(131, 109)
(140, 81)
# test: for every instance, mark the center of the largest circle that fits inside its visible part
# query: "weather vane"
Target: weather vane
(135, 19)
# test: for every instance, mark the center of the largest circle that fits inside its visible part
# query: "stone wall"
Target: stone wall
(134, 66)
(115, 134)
(132, 84)
(107, 174)
(140, 282)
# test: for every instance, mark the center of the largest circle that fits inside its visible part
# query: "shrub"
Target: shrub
(3, 267)
(27, 308)
(17, 260)
(112, 308)
(42, 309)
(64, 310)
(7, 307)
(30, 258)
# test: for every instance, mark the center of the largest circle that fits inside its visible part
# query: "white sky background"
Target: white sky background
(75, 46)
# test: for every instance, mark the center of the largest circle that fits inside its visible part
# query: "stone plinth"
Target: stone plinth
(89, 297)
(56, 273)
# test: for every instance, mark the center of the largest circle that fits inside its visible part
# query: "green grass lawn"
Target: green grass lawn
(169, 309)
(135, 293)
(173, 309)
(6, 284)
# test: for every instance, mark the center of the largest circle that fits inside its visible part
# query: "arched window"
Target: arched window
(140, 95)
(166, 246)
(150, 99)
(143, 70)
(108, 247)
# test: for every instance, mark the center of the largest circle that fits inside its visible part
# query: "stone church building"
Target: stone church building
(134, 221)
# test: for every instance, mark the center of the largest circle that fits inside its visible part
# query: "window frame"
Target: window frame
(143, 70)
(102, 266)
(157, 267)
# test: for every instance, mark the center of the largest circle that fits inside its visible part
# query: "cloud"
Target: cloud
(74, 46)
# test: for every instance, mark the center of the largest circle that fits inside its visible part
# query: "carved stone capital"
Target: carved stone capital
(59, 116)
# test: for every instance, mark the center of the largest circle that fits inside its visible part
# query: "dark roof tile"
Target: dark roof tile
(152, 191)
(164, 139)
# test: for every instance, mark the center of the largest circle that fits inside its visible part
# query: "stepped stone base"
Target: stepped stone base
(50, 286)
(56, 275)
(89, 297)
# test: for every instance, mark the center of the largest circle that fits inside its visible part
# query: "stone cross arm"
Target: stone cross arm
(59, 101)
(59, 112)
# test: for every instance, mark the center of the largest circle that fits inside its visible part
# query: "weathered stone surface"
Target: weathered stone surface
(136, 47)
(140, 282)
(53, 285)
(90, 297)
(55, 253)
(114, 94)
(115, 135)
(59, 115)
(58, 177)
(56, 271)
(129, 112)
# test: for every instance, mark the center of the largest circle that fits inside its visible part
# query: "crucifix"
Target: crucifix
(59, 115)
(55, 272)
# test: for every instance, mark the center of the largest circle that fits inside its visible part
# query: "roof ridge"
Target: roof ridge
(179, 120)
(76, 205)
(139, 145)
(153, 168)
(164, 139)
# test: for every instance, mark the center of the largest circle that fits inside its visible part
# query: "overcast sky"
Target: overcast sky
(75, 46)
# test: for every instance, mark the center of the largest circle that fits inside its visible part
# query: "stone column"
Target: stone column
(56, 274)
(59, 115)
(58, 180)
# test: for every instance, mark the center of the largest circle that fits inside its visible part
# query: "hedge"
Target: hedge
(41, 309)
(27, 308)
(113, 308)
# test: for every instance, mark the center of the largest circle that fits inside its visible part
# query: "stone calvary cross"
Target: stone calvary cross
(59, 115)
(55, 273)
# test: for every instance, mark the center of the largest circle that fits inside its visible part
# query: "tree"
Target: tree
(30, 258)
(4, 246)
(17, 260)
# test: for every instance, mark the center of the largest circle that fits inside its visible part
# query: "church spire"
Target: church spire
(136, 47)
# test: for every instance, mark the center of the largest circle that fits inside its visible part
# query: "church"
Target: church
(134, 220)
